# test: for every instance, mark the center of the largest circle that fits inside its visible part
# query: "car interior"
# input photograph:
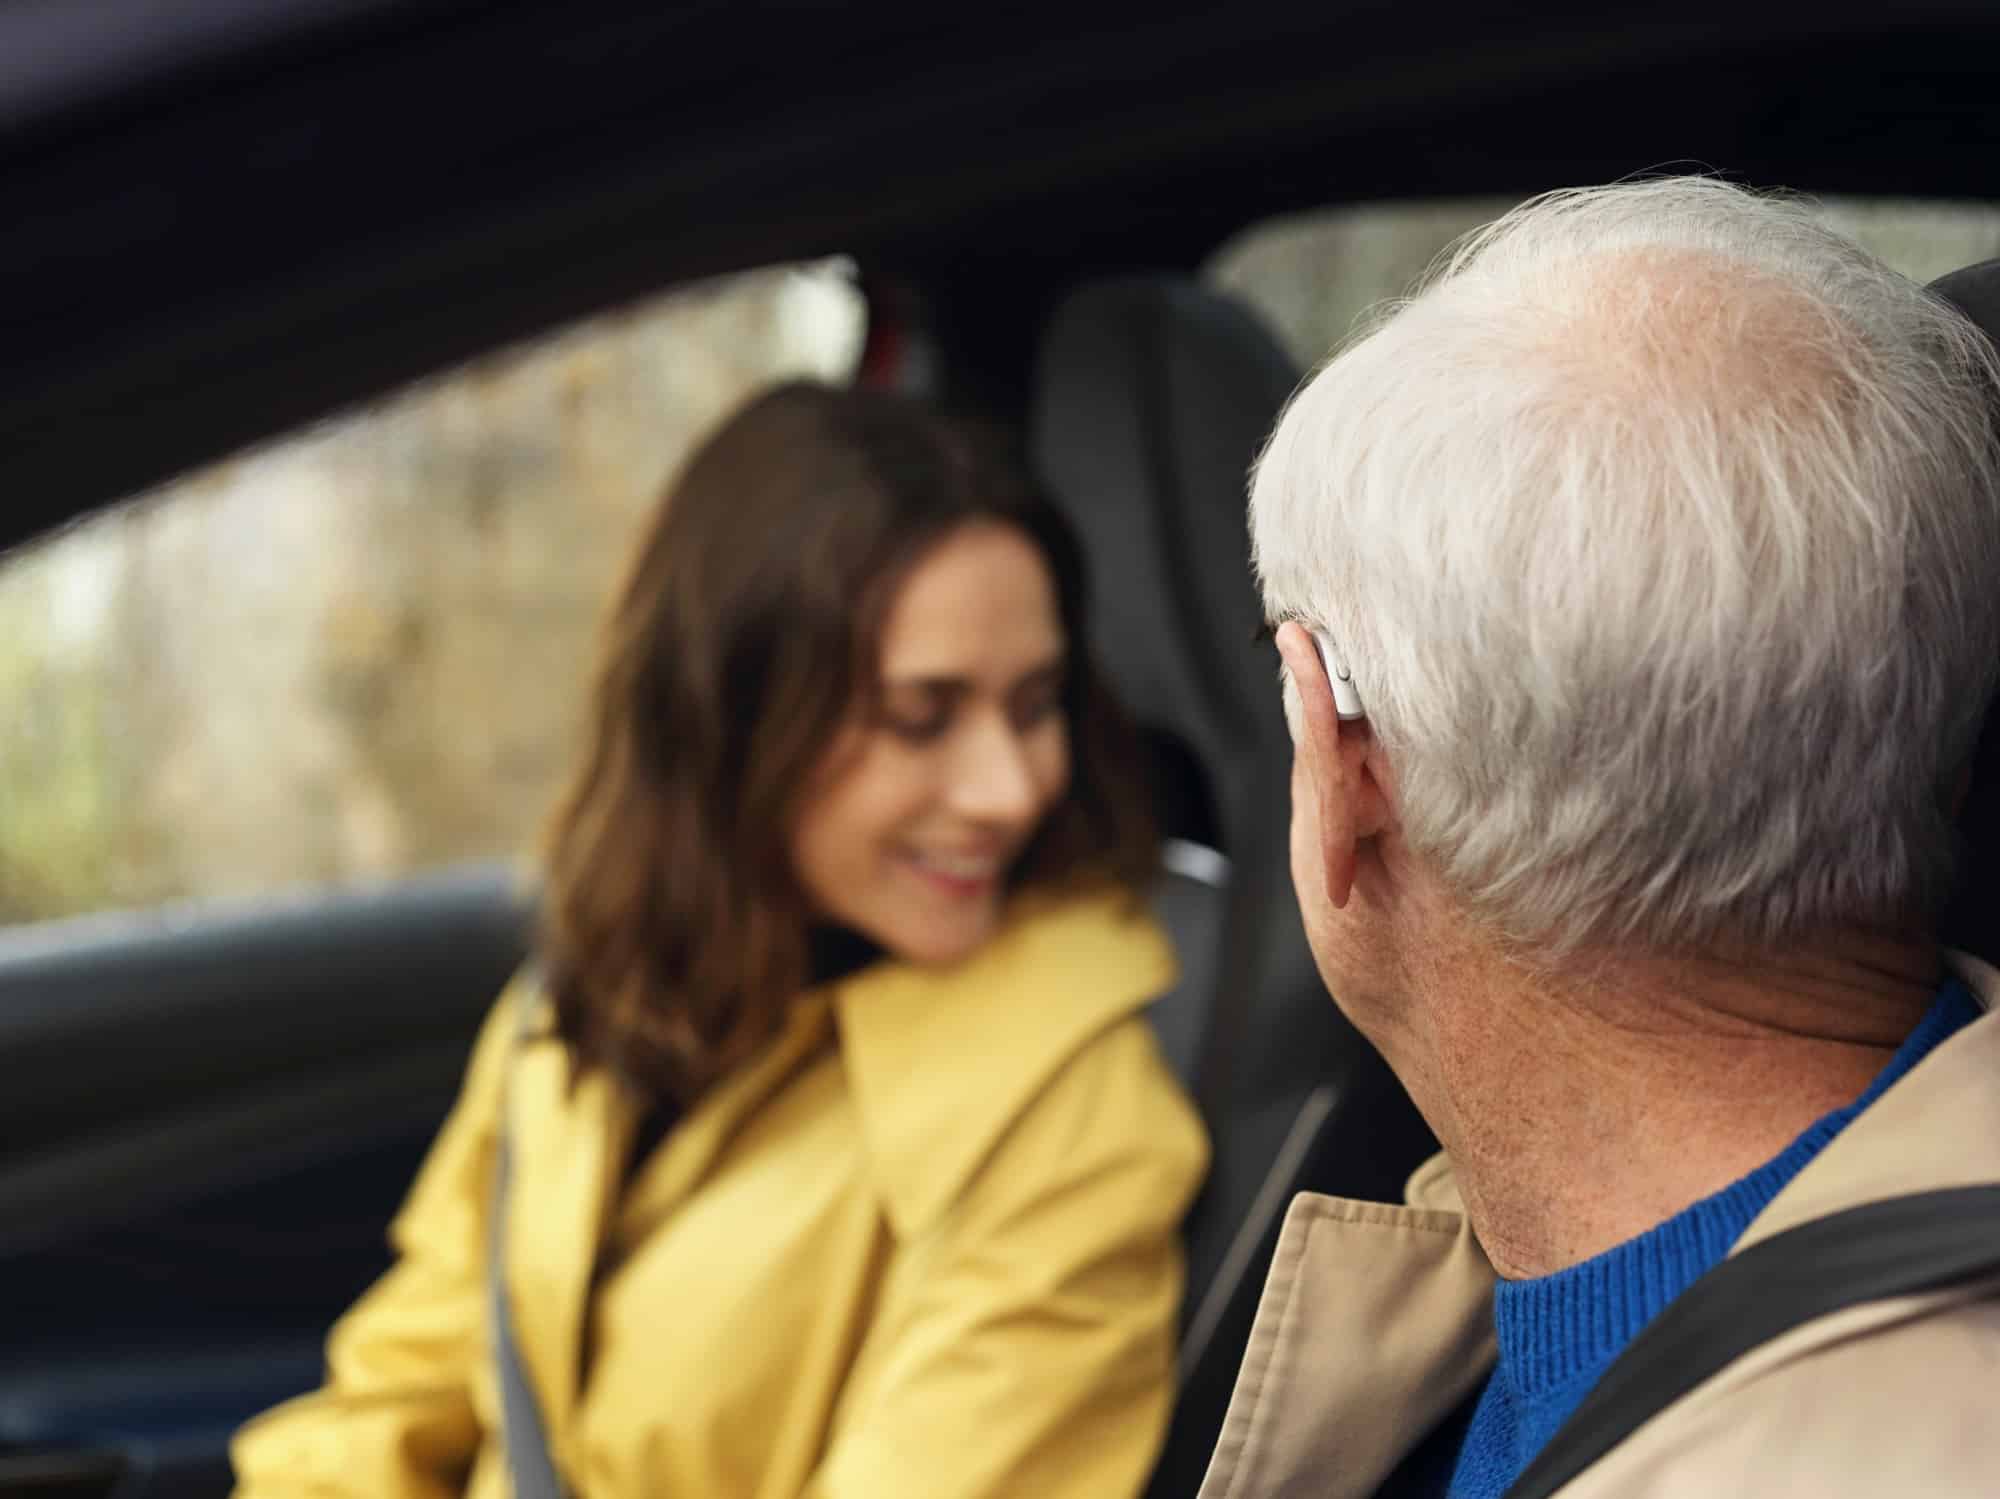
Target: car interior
(212, 1112)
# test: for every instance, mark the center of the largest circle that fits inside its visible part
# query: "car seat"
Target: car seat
(1972, 921)
(1152, 397)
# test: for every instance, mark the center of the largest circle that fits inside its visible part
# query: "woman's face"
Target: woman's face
(928, 794)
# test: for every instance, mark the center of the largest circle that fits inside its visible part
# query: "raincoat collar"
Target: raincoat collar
(940, 1061)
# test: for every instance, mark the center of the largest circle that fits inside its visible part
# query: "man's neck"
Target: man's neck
(1581, 1109)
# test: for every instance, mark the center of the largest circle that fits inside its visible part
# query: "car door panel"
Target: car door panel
(212, 1115)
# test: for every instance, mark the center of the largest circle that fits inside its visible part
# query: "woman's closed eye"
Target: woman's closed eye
(920, 712)
(917, 723)
(1038, 699)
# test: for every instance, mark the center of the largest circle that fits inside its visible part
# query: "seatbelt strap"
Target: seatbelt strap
(1905, 1246)
(525, 1440)
(1257, 889)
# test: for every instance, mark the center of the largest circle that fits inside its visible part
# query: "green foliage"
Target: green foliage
(69, 841)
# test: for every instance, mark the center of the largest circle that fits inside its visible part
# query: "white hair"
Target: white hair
(1660, 531)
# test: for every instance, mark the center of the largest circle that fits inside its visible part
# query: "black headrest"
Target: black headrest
(1973, 920)
(1153, 394)
(1975, 291)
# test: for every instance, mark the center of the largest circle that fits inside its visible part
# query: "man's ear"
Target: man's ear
(1334, 756)
(1319, 749)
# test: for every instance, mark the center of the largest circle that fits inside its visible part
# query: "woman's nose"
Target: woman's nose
(994, 780)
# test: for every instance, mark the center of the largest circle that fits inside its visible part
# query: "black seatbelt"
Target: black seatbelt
(1906, 1245)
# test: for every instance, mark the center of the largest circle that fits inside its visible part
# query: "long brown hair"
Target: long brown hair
(674, 933)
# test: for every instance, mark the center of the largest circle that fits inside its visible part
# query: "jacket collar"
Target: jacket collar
(570, 1145)
(1061, 970)
(1411, 1290)
(1375, 1323)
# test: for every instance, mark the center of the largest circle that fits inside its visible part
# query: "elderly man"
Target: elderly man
(1640, 582)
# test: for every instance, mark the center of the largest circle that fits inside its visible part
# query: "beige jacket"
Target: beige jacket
(1377, 1321)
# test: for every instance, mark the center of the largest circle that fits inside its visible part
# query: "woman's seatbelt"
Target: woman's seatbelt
(525, 1440)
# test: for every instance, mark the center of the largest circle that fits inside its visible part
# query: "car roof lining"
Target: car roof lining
(212, 246)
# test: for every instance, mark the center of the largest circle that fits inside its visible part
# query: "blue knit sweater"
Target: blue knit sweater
(1560, 1332)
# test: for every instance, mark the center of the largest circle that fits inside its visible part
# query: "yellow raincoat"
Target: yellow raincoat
(925, 1246)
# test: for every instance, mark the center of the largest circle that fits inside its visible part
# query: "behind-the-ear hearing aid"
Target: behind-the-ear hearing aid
(1346, 701)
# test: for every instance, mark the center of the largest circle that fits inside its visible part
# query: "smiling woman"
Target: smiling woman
(838, 686)
(834, 1067)
(932, 790)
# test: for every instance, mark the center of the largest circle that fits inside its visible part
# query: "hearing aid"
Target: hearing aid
(1346, 701)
